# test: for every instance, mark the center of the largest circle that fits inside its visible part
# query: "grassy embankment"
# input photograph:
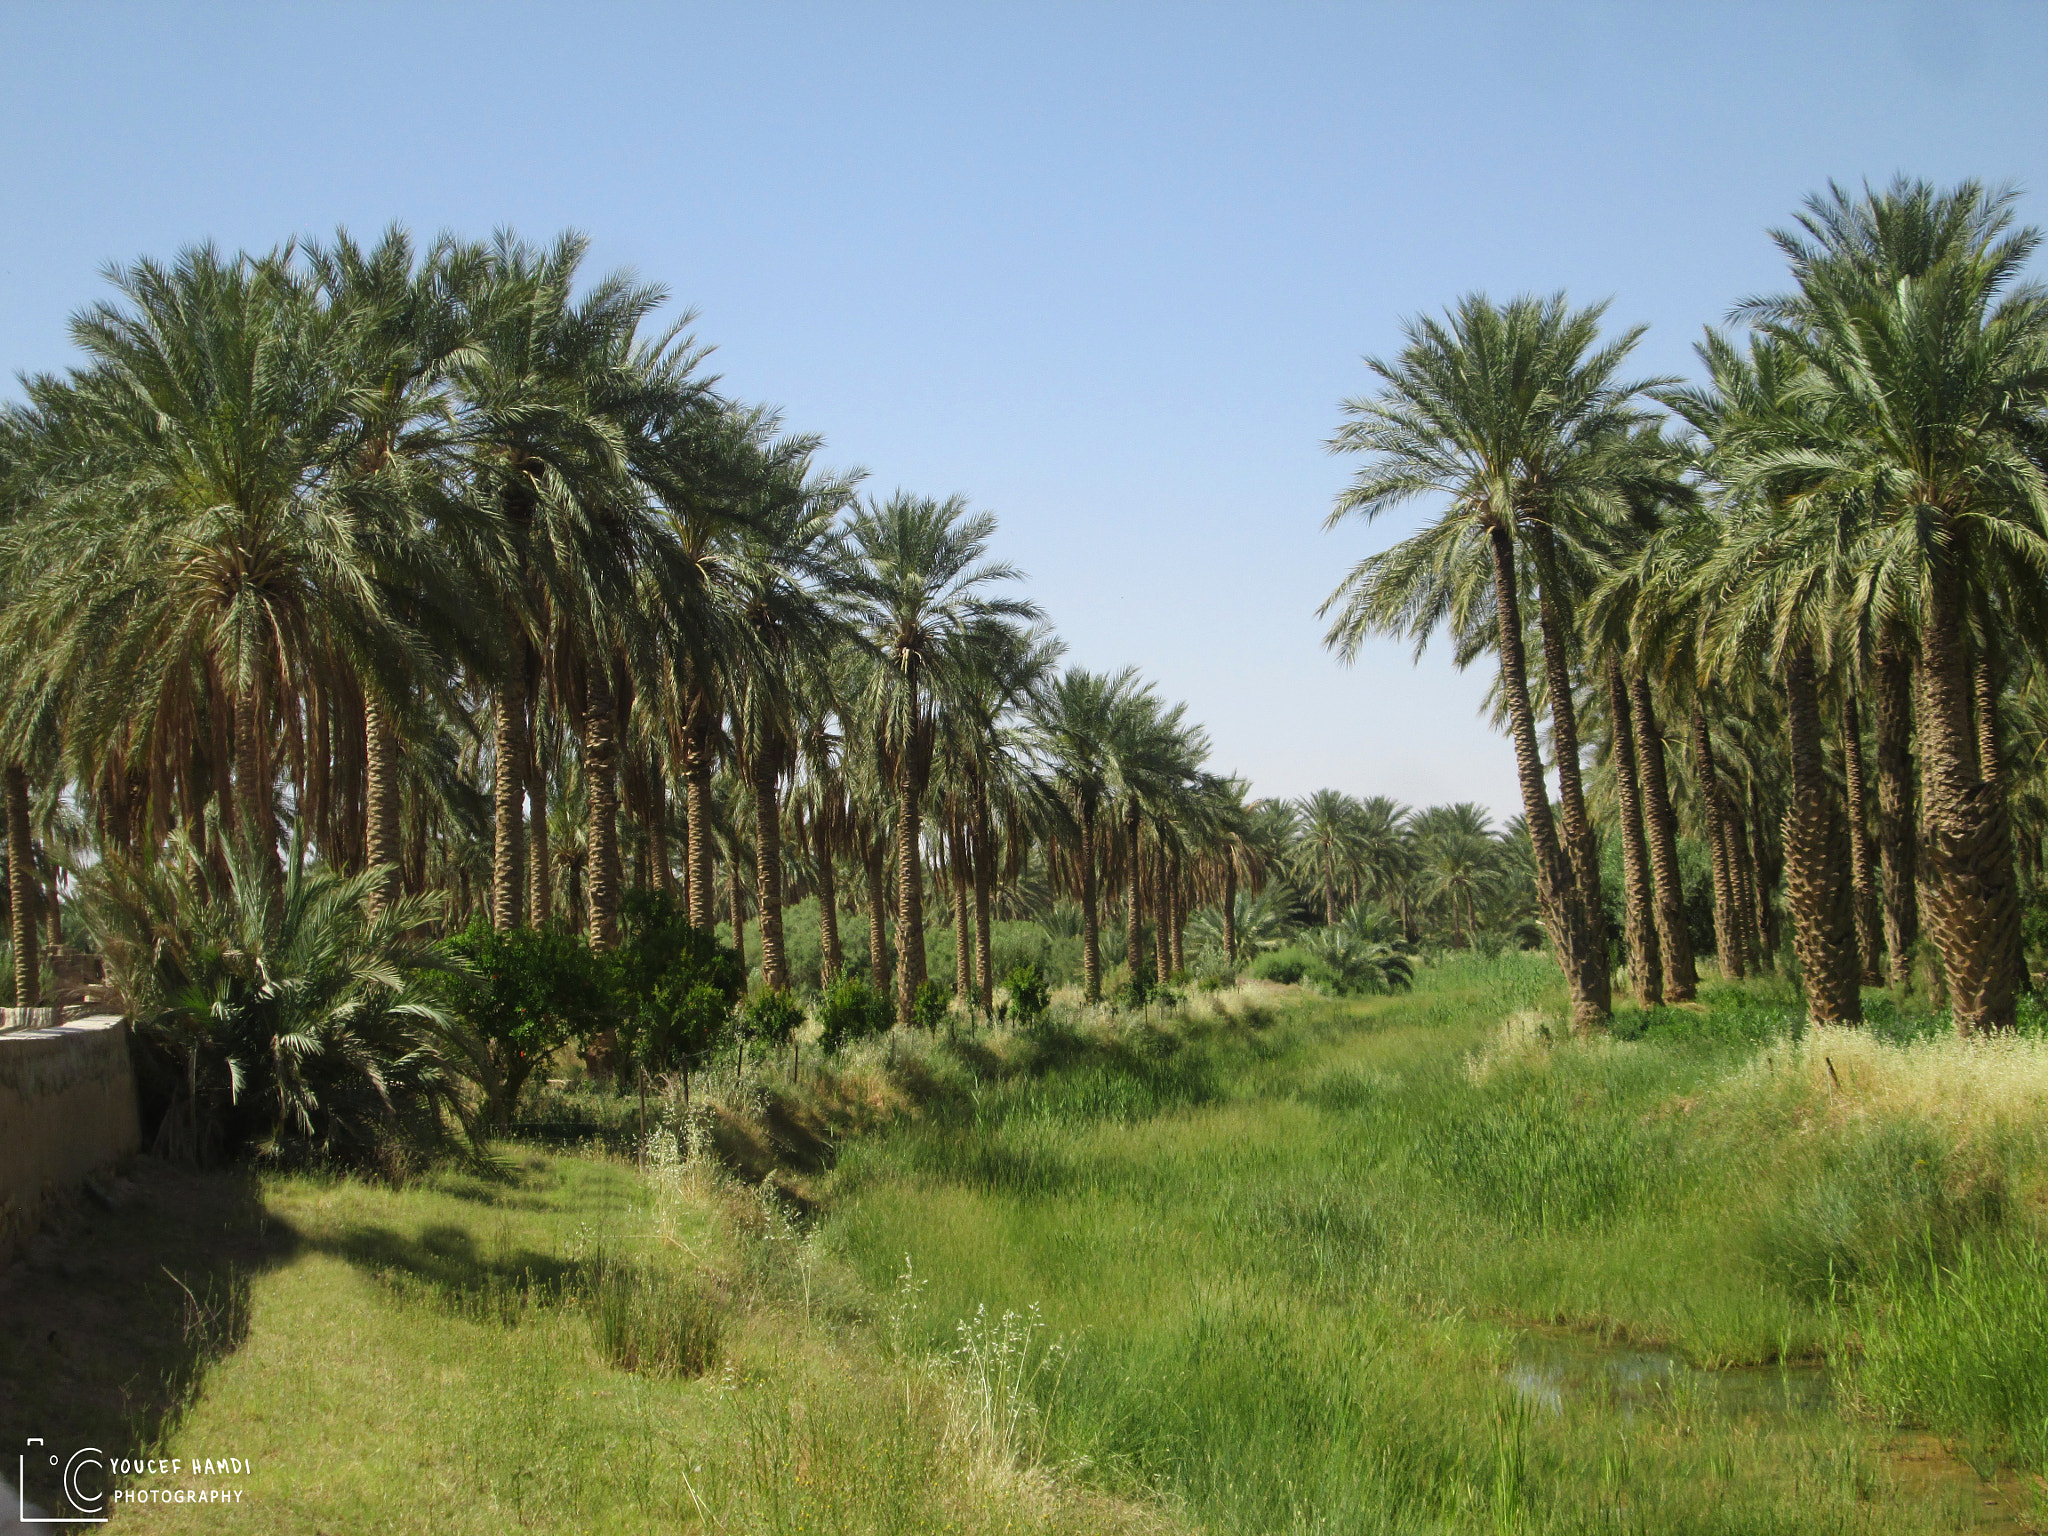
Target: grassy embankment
(1280, 1266)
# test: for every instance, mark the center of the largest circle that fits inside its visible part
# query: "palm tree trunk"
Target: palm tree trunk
(1230, 909)
(1727, 931)
(1645, 964)
(768, 875)
(1817, 880)
(657, 825)
(736, 899)
(984, 891)
(963, 937)
(600, 775)
(910, 965)
(257, 812)
(1984, 688)
(1556, 887)
(1571, 792)
(831, 958)
(1752, 890)
(878, 922)
(1162, 921)
(540, 863)
(1972, 905)
(1674, 941)
(1134, 907)
(1091, 948)
(1991, 768)
(697, 812)
(380, 799)
(1177, 913)
(22, 892)
(1862, 856)
(1770, 866)
(1897, 841)
(509, 752)
(53, 906)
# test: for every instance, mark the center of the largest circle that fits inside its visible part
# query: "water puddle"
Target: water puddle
(1551, 1370)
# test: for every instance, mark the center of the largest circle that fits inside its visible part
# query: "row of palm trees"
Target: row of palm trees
(431, 564)
(1795, 607)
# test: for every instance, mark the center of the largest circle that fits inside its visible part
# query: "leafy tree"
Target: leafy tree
(525, 993)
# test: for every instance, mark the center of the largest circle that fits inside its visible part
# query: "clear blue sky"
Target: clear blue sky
(1108, 270)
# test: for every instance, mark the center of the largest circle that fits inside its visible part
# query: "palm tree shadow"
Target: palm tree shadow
(444, 1265)
(121, 1306)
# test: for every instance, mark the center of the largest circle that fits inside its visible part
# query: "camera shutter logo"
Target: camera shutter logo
(82, 1465)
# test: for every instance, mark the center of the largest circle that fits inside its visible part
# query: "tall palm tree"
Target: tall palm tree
(1933, 362)
(1327, 844)
(1779, 585)
(191, 562)
(925, 579)
(1072, 726)
(1508, 413)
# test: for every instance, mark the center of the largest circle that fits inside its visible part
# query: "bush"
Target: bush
(1030, 994)
(676, 984)
(526, 993)
(928, 1008)
(1285, 966)
(287, 1019)
(851, 1010)
(771, 1017)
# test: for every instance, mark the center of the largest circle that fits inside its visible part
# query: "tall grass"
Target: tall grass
(1961, 1348)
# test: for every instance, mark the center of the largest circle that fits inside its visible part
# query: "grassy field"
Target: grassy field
(1403, 1264)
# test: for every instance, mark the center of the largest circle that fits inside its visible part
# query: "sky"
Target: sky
(1107, 270)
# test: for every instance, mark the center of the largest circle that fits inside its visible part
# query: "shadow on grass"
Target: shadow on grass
(115, 1316)
(445, 1266)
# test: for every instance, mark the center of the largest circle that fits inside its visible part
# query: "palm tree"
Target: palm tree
(1778, 588)
(227, 584)
(1932, 366)
(1072, 727)
(1508, 412)
(1327, 844)
(924, 579)
(565, 416)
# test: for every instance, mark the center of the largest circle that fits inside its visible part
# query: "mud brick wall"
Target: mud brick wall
(67, 1110)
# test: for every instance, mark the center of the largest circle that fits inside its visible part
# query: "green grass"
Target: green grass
(1290, 1261)
(1252, 1268)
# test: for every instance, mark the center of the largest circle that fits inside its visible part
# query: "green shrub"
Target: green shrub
(526, 993)
(928, 1007)
(1030, 994)
(851, 1010)
(1285, 966)
(771, 1017)
(676, 984)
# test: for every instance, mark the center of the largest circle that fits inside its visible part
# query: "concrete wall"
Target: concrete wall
(67, 1109)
